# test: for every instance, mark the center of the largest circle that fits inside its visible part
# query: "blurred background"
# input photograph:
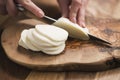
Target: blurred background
(106, 9)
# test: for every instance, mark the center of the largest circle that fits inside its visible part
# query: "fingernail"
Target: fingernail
(73, 20)
(83, 25)
(41, 14)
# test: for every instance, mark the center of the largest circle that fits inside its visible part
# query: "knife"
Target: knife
(92, 37)
(97, 39)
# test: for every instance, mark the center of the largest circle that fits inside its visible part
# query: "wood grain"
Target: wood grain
(108, 75)
(37, 75)
(104, 75)
(91, 56)
(78, 55)
(12, 71)
(9, 70)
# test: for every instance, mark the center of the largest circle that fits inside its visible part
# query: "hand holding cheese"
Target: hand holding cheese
(46, 38)
(73, 29)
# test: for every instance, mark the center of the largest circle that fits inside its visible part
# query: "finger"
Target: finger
(11, 8)
(29, 5)
(81, 13)
(81, 17)
(73, 11)
(64, 6)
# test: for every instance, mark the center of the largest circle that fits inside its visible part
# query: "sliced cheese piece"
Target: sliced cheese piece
(37, 43)
(23, 39)
(31, 46)
(52, 32)
(73, 29)
(26, 41)
(44, 41)
(55, 52)
(46, 49)
(49, 48)
(31, 40)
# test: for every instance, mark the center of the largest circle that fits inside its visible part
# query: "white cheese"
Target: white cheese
(46, 38)
(74, 30)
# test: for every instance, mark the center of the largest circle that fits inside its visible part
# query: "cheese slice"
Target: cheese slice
(45, 38)
(23, 39)
(29, 41)
(44, 41)
(52, 32)
(37, 43)
(74, 30)
(55, 52)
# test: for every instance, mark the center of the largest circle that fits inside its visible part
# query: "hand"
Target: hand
(9, 7)
(74, 10)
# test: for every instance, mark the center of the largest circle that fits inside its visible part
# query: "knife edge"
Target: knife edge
(49, 18)
(94, 38)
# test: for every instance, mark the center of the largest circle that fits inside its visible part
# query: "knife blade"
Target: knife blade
(49, 18)
(94, 38)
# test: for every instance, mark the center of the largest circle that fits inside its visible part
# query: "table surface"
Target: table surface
(12, 71)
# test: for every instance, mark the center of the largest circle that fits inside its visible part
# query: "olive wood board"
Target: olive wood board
(78, 55)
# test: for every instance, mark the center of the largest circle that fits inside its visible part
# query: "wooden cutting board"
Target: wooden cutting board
(78, 55)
